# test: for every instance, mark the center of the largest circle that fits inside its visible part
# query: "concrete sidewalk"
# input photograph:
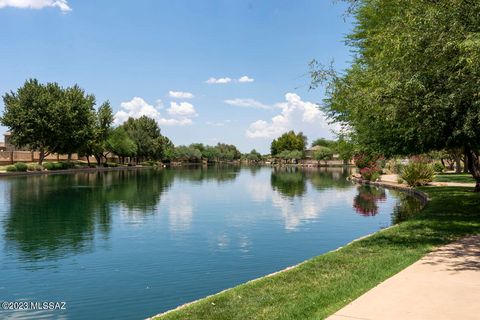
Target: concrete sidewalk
(444, 284)
(393, 178)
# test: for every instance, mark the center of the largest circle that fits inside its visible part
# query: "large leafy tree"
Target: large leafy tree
(102, 129)
(145, 132)
(77, 120)
(120, 143)
(288, 141)
(48, 118)
(414, 84)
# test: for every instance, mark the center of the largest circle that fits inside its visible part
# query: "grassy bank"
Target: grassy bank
(454, 177)
(322, 285)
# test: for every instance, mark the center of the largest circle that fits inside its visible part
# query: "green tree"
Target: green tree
(413, 84)
(322, 142)
(145, 132)
(228, 152)
(323, 154)
(288, 141)
(35, 114)
(77, 120)
(253, 156)
(96, 144)
(184, 153)
(120, 143)
(211, 153)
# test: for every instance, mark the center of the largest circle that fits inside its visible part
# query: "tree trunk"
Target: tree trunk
(69, 157)
(465, 165)
(458, 166)
(88, 160)
(473, 161)
(41, 157)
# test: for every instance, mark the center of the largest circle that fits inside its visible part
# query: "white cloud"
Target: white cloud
(295, 113)
(300, 210)
(180, 211)
(219, 80)
(181, 114)
(217, 124)
(247, 103)
(183, 109)
(175, 122)
(245, 79)
(180, 95)
(36, 4)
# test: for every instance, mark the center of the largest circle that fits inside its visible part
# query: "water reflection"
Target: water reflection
(367, 199)
(50, 217)
(289, 184)
(55, 216)
(289, 181)
(406, 207)
(159, 238)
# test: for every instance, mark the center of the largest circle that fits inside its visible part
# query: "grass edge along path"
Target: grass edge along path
(322, 285)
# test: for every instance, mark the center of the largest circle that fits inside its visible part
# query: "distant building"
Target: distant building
(309, 153)
(8, 146)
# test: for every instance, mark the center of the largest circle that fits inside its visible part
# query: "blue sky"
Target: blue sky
(208, 71)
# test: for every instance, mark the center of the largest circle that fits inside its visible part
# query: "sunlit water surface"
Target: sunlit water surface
(131, 244)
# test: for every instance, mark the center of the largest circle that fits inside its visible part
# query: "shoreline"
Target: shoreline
(69, 171)
(413, 192)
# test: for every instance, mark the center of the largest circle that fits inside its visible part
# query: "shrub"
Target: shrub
(57, 166)
(418, 173)
(68, 165)
(370, 173)
(11, 169)
(438, 167)
(110, 164)
(20, 166)
(54, 165)
(393, 166)
(149, 163)
(400, 181)
(34, 167)
(48, 165)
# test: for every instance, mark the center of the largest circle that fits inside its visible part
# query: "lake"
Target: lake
(131, 244)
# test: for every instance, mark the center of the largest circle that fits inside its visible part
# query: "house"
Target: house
(309, 153)
(8, 146)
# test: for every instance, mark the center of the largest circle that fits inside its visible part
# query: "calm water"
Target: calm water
(128, 245)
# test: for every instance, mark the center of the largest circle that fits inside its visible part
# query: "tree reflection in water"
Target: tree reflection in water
(55, 216)
(366, 201)
(406, 207)
(288, 181)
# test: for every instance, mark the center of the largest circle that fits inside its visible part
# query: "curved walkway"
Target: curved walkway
(392, 178)
(444, 284)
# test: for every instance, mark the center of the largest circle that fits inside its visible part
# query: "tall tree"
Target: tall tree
(322, 142)
(34, 115)
(77, 120)
(120, 143)
(145, 132)
(288, 141)
(413, 85)
(97, 144)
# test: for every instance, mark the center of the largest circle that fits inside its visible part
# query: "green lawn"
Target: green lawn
(324, 284)
(454, 177)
